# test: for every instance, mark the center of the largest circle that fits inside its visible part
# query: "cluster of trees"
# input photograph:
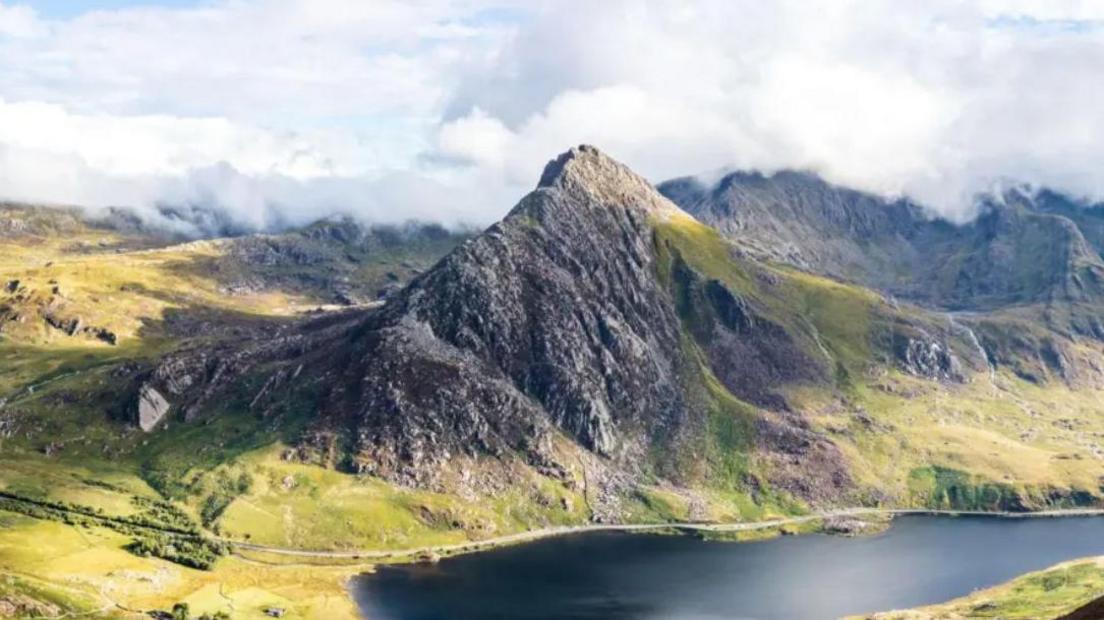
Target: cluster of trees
(166, 515)
(70, 514)
(227, 490)
(158, 515)
(196, 552)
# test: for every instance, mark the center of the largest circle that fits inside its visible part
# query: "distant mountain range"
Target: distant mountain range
(1024, 247)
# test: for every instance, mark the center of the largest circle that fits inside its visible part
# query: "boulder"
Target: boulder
(152, 408)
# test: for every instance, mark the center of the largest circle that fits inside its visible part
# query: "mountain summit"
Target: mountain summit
(551, 324)
(596, 334)
(587, 170)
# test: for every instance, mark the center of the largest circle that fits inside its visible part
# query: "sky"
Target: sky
(279, 112)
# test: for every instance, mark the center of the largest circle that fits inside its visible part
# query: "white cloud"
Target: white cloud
(17, 22)
(934, 99)
(166, 145)
(284, 110)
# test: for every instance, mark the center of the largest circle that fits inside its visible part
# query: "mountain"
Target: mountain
(552, 343)
(1021, 249)
(798, 219)
(1024, 276)
(68, 276)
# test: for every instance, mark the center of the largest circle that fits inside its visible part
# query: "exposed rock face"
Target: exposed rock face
(1013, 254)
(152, 408)
(552, 319)
(196, 378)
(328, 258)
(749, 353)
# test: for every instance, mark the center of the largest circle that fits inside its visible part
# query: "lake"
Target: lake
(612, 576)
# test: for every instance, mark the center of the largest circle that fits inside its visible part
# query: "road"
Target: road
(744, 526)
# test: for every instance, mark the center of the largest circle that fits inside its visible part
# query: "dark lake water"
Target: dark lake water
(612, 576)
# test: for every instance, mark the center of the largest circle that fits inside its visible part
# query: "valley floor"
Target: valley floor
(816, 521)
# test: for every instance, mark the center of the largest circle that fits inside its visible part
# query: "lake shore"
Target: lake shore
(437, 551)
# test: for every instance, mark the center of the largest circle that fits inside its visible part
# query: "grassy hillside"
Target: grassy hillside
(1045, 594)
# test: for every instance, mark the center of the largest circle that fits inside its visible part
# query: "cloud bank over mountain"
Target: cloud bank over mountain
(277, 112)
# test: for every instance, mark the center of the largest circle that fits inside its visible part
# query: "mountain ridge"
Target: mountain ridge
(896, 246)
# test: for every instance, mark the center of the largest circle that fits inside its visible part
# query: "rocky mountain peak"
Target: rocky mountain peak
(589, 174)
(551, 324)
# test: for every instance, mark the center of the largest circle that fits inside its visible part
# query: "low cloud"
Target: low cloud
(937, 100)
(447, 110)
(219, 199)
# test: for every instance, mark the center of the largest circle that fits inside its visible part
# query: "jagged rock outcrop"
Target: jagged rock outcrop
(200, 378)
(328, 259)
(924, 356)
